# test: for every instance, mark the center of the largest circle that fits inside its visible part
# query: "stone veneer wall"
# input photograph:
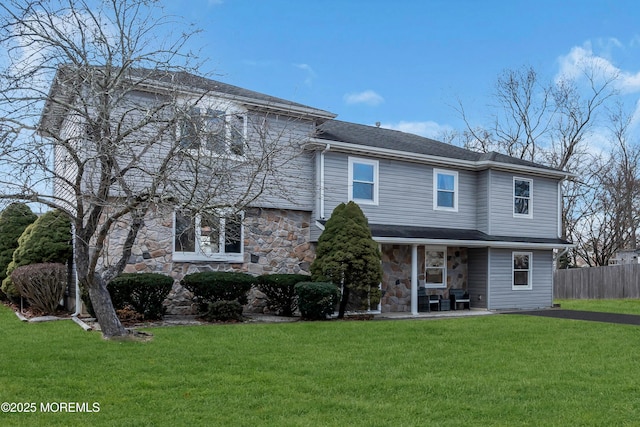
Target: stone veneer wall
(396, 278)
(275, 241)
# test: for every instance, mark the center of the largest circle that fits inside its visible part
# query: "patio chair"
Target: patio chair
(459, 296)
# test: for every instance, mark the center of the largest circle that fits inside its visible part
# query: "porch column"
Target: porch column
(414, 279)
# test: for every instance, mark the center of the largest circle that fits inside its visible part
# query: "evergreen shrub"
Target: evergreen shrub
(280, 291)
(317, 300)
(223, 311)
(212, 286)
(48, 239)
(13, 220)
(144, 292)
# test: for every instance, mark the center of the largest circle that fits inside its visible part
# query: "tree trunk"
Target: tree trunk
(98, 293)
(103, 307)
(344, 301)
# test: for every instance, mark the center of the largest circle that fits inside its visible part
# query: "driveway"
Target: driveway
(623, 319)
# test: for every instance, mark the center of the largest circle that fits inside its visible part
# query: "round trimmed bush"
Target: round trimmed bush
(280, 291)
(212, 286)
(317, 300)
(224, 311)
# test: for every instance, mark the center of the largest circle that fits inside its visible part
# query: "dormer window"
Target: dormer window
(213, 131)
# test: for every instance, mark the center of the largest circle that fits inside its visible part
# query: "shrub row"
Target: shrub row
(144, 292)
(221, 295)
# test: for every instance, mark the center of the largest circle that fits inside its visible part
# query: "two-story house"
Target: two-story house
(444, 217)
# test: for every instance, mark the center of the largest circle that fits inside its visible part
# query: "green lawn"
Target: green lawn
(499, 370)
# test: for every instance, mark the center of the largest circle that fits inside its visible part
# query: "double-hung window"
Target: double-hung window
(435, 267)
(445, 190)
(363, 180)
(213, 131)
(207, 236)
(522, 264)
(522, 197)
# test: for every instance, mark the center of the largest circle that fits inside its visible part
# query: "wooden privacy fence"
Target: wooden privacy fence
(612, 282)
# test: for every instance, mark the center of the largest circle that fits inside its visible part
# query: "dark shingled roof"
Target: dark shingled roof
(352, 133)
(203, 83)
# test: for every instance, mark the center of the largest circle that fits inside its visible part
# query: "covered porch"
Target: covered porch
(424, 261)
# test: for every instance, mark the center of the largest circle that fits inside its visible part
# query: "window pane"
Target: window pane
(214, 129)
(233, 234)
(209, 234)
(435, 259)
(435, 275)
(521, 188)
(362, 172)
(362, 191)
(521, 278)
(236, 144)
(446, 182)
(445, 199)
(185, 238)
(521, 262)
(521, 206)
(189, 130)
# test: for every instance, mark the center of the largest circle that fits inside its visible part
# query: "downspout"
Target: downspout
(322, 180)
(75, 273)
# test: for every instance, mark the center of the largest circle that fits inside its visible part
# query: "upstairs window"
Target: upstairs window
(207, 236)
(522, 206)
(213, 131)
(363, 180)
(445, 190)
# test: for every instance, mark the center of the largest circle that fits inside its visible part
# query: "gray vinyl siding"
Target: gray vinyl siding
(544, 205)
(478, 271)
(405, 194)
(288, 184)
(482, 195)
(501, 294)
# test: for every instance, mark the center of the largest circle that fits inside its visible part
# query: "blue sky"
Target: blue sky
(406, 63)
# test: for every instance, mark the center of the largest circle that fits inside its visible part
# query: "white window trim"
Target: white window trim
(229, 110)
(428, 285)
(437, 172)
(513, 198)
(530, 272)
(376, 182)
(218, 257)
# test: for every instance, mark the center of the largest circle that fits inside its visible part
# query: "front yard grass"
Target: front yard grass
(493, 370)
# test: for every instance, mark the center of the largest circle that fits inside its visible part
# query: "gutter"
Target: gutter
(78, 309)
(327, 148)
(472, 243)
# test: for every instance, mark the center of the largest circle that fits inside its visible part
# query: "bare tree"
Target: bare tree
(549, 123)
(130, 127)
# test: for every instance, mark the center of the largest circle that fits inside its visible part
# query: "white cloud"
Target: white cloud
(429, 129)
(311, 74)
(368, 97)
(583, 57)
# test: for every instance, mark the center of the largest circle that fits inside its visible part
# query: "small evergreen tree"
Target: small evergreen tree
(13, 220)
(348, 256)
(48, 239)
